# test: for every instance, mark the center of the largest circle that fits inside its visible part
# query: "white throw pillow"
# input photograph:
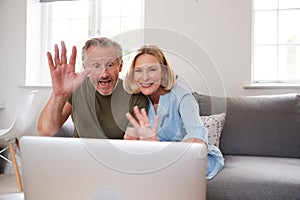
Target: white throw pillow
(214, 124)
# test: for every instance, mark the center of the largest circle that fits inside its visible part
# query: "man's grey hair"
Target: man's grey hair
(102, 42)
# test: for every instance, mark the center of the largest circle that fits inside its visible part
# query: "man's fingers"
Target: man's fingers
(56, 55)
(72, 60)
(50, 61)
(63, 53)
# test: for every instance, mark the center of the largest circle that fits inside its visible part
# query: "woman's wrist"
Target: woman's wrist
(151, 138)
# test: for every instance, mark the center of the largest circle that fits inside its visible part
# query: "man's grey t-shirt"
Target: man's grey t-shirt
(98, 116)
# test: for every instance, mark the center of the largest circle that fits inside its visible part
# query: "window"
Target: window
(276, 41)
(74, 22)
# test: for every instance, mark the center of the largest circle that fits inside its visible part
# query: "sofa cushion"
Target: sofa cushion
(214, 124)
(67, 129)
(250, 177)
(266, 125)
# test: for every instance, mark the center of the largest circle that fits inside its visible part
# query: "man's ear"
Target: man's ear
(121, 65)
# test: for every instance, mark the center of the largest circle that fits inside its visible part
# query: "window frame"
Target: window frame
(276, 81)
(37, 72)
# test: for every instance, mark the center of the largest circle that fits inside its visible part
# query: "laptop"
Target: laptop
(57, 168)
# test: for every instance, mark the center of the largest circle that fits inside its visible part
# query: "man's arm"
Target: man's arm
(53, 116)
(64, 81)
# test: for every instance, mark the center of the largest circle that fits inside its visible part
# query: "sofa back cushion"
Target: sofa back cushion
(266, 125)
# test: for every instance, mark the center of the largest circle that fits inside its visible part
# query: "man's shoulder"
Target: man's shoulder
(82, 91)
(85, 87)
(139, 100)
(119, 91)
(139, 96)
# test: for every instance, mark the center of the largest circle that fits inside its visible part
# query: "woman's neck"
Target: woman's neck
(154, 97)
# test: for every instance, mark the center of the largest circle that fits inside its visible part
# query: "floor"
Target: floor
(8, 181)
(8, 184)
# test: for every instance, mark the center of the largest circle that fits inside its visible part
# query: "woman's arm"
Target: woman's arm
(142, 129)
(189, 112)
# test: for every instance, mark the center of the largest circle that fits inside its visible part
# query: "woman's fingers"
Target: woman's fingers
(132, 121)
(142, 124)
(145, 117)
(139, 116)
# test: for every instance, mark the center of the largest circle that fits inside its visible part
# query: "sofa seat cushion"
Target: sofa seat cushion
(251, 177)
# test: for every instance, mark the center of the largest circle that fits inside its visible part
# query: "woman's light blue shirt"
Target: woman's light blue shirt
(179, 120)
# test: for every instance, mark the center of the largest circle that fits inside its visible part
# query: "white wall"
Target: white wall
(12, 65)
(222, 28)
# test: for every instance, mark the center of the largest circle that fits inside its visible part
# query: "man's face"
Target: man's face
(105, 68)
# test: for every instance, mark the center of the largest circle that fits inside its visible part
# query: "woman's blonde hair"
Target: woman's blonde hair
(168, 80)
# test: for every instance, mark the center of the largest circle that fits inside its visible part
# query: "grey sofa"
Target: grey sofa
(261, 144)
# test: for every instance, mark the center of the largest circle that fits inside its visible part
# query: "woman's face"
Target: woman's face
(147, 73)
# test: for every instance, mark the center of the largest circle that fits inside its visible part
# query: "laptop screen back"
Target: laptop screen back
(73, 168)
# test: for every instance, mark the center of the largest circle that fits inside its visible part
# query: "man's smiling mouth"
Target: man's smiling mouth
(104, 83)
